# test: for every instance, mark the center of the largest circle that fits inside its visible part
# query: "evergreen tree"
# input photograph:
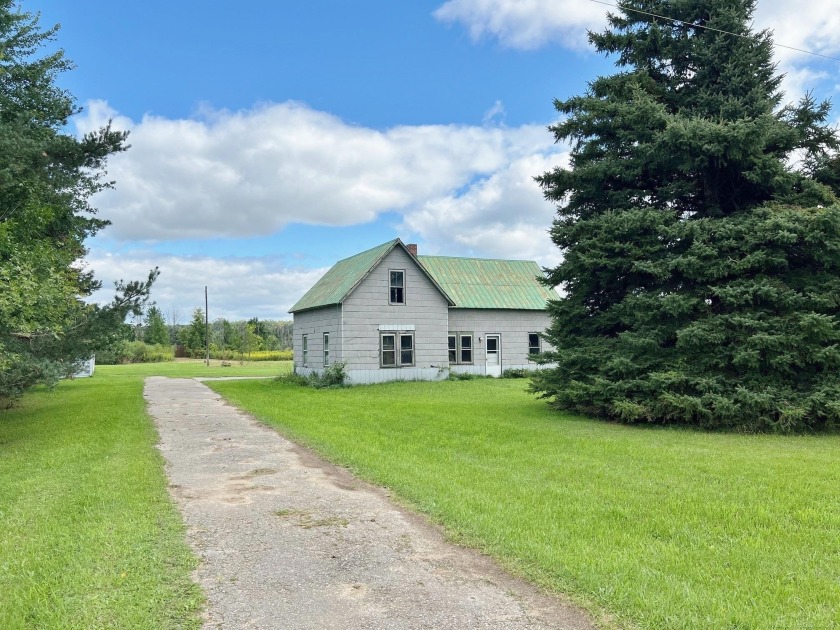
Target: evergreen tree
(195, 335)
(700, 268)
(156, 330)
(47, 178)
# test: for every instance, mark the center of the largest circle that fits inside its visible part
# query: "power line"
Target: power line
(710, 28)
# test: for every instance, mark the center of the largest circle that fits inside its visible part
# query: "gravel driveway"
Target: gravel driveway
(287, 540)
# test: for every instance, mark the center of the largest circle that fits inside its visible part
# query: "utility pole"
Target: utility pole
(206, 330)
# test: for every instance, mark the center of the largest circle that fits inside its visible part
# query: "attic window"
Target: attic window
(396, 287)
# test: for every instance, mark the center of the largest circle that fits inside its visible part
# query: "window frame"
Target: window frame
(452, 348)
(397, 349)
(392, 287)
(538, 346)
(470, 349)
(304, 350)
(326, 349)
(459, 347)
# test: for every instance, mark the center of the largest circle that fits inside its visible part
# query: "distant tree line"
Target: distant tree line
(229, 339)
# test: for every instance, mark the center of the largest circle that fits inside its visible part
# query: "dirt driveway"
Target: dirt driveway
(287, 540)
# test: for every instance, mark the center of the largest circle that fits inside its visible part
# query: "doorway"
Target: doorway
(493, 355)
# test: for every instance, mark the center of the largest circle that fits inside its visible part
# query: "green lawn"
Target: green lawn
(662, 528)
(90, 538)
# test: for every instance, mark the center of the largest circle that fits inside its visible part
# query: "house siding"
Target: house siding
(367, 311)
(512, 325)
(315, 323)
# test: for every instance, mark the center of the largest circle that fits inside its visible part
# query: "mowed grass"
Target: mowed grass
(660, 528)
(188, 368)
(89, 537)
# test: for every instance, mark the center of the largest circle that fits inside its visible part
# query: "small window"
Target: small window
(389, 351)
(397, 287)
(305, 349)
(460, 345)
(406, 350)
(396, 349)
(326, 349)
(533, 343)
(466, 349)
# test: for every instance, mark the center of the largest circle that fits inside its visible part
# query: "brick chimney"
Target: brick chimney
(412, 249)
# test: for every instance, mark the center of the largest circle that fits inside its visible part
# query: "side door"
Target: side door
(493, 355)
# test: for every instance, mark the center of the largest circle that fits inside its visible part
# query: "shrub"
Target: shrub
(331, 377)
(135, 352)
(259, 355)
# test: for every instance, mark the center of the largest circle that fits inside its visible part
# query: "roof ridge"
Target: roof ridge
(367, 251)
(509, 260)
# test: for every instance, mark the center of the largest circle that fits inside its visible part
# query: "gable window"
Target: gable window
(326, 349)
(396, 349)
(396, 286)
(533, 344)
(460, 346)
(305, 349)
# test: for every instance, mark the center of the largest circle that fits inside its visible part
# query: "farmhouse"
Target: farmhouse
(389, 314)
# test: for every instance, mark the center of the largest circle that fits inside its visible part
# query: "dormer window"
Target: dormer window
(396, 286)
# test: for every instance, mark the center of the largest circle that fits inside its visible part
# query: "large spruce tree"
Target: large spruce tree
(701, 253)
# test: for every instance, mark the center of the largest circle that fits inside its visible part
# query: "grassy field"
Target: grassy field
(661, 528)
(88, 535)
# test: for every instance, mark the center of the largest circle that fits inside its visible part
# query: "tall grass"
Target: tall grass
(662, 528)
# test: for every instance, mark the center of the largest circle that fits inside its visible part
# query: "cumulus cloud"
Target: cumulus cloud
(502, 216)
(238, 288)
(526, 24)
(812, 25)
(252, 172)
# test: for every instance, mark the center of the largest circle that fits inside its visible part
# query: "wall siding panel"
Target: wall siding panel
(512, 325)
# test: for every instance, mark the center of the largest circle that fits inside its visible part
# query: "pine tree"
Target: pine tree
(47, 178)
(156, 330)
(700, 269)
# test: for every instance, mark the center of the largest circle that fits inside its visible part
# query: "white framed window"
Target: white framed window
(533, 344)
(305, 347)
(396, 349)
(460, 346)
(396, 286)
(326, 349)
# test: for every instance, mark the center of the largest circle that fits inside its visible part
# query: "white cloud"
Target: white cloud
(238, 288)
(501, 216)
(252, 172)
(812, 25)
(526, 24)
(807, 24)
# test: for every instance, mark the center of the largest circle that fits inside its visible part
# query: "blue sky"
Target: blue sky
(271, 138)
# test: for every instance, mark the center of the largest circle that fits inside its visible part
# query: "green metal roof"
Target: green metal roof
(487, 283)
(464, 282)
(342, 278)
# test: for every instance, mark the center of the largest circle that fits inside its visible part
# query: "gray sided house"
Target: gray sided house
(388, 314)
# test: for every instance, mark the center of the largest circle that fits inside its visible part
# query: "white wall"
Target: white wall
(513, 327)
(367, 309)
(314, 324)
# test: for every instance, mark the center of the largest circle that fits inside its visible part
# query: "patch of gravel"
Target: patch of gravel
(287, 540)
